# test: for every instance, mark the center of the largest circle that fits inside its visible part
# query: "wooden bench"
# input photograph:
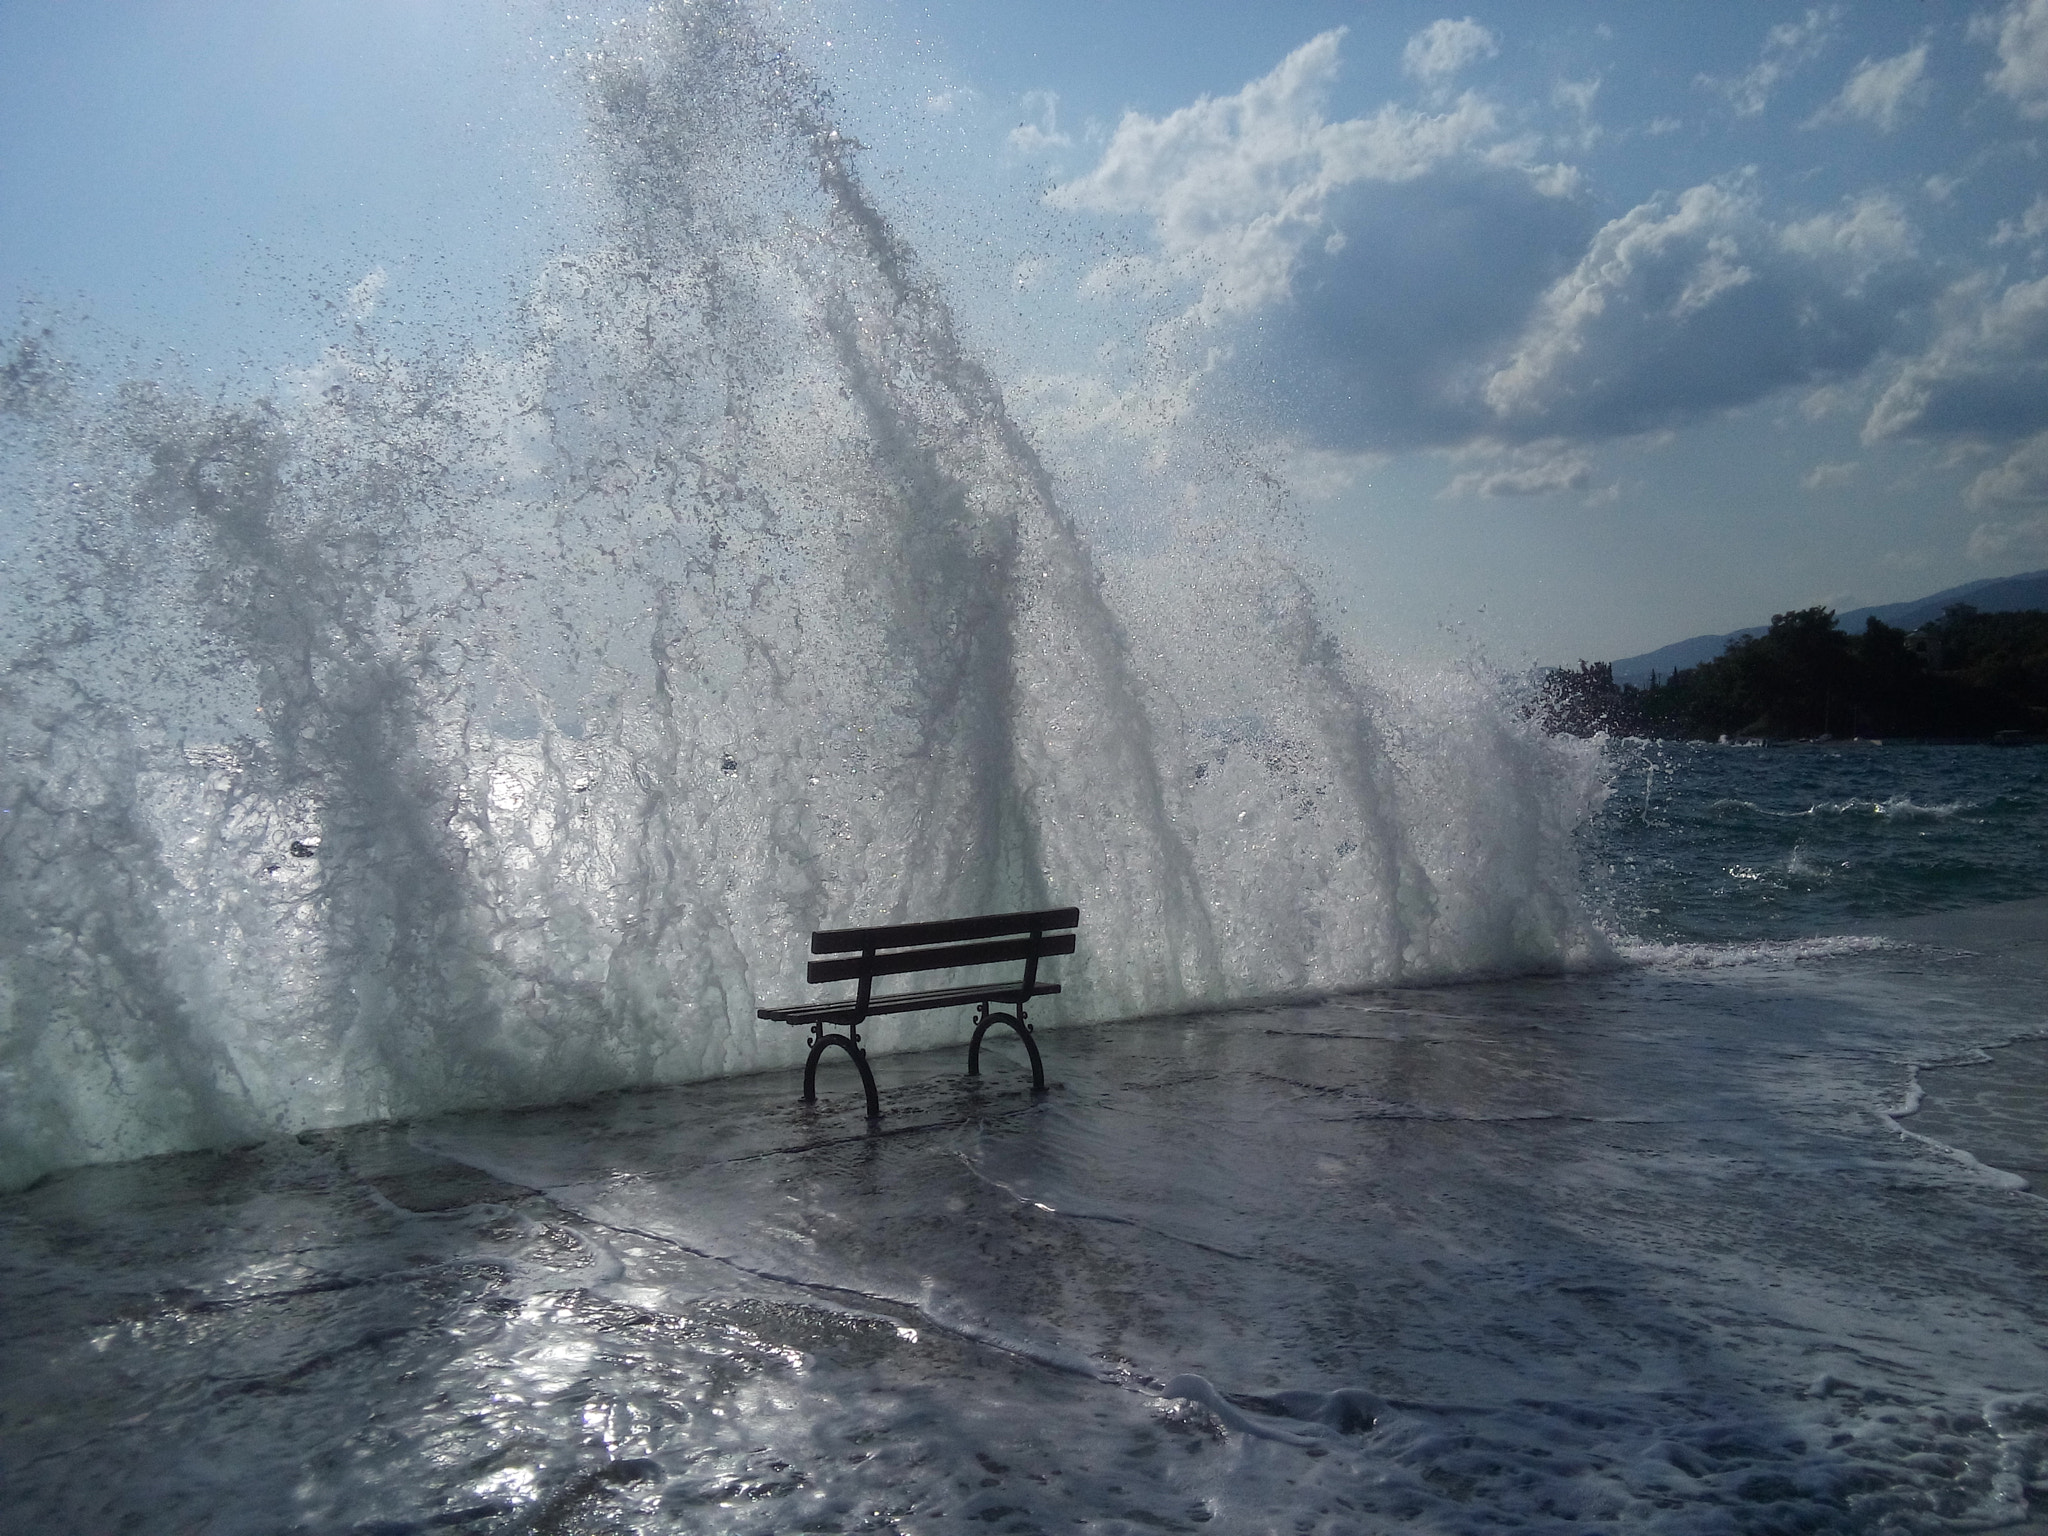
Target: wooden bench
(960, 943)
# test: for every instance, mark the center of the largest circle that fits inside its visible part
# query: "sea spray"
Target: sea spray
(470, 727)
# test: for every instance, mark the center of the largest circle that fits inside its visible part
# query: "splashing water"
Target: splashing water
(490, 729)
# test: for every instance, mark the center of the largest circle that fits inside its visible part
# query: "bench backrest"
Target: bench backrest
(949, 944)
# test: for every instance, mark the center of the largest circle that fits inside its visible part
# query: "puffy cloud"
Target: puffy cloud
(1828, 477)
(1443, 48)
(2028, 228)
(1408, 278)
(1881, 92)
(1676, 311)
(2021, 481)
(2020, 32)
(1865, 237)
(1983, 379)
(1387, 339)
(1819, 404)
(1039, 137)
(1239, 187)
(1360, 273)
(1576, 95)
(1532, 469)
(1983, 384)
(1787, 46)
(2009, 544)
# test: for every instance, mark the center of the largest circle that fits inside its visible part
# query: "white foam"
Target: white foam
(589, 679)
(1776, 952)
(1997, 1178)
(1897, 808)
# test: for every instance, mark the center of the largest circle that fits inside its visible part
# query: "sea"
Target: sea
(1703, 841)
(416, 777)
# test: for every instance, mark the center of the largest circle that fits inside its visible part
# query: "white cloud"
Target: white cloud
(2028, 228)
(1983, 379)
(2021, 35)
(1533, 469)
(1391, 281)
(1384, 341)
(1576, 97)
(1576, 94)
(1239, 186)
(1865, 235)
(1880, 92)
(1787, 46)
(2021, 481)
(1678, 310)
(1037, 138)
(1821, 403)
(1445, 47)
(1559, 181)
(1322, 474)
(1828, 477)
(2020, 543)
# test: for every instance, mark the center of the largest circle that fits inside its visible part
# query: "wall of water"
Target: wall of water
(491, 727)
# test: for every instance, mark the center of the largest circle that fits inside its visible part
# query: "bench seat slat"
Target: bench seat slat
(907, 1002)
(942, 958)
(952, 930)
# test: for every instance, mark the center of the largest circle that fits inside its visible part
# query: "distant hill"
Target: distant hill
(1996, 594)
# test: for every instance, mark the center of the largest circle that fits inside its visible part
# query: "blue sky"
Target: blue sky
(1570, 329)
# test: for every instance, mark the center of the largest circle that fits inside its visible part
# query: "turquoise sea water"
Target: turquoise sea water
(1704, 842)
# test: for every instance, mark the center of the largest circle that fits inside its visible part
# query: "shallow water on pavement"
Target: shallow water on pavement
(1660, 1248)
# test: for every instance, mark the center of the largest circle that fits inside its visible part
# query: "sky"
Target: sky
(1568, 329)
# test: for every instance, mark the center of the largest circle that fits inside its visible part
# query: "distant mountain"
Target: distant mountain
(1996, 594)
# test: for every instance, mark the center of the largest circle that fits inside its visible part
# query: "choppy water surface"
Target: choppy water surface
(1734, 843)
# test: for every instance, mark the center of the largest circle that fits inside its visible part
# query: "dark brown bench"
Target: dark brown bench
(959, 943)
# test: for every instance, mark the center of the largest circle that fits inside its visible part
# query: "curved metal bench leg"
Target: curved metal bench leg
(1016, 1022)
(981, 1024)
(850, 1042)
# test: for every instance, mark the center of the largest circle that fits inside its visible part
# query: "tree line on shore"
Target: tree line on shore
(1965, 676)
